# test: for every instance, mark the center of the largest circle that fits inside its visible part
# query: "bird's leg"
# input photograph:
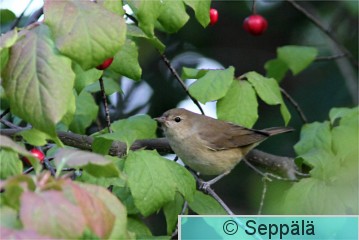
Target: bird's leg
(206, 185)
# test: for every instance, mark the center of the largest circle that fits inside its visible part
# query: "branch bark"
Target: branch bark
(274, 163)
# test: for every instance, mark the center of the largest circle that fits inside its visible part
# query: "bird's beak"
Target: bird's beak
(160, 119)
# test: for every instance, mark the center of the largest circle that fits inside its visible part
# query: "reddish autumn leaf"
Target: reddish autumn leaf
(99, 218)
(50, 213)
(116, 207)
(6, 233)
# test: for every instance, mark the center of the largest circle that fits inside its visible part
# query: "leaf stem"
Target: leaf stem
(295, 104)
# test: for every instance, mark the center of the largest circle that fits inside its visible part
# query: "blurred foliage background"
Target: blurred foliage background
(322, 86)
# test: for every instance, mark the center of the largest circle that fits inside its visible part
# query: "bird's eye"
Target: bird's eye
(177, 119)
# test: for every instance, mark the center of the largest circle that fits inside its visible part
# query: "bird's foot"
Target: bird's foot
(203, 186)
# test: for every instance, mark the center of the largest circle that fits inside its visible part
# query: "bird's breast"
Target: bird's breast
(193, 152)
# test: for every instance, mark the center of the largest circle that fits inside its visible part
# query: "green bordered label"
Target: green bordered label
(268, 227)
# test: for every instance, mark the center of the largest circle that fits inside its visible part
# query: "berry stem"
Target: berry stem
(254, 11)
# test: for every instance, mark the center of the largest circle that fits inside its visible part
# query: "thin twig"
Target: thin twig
(256, 169)
(174, 235)
(172, 70)
(184, 208)
(21, 15)
(329, 58)
(104, 99)
(29, 170)
(132, 18)
(326, 31)
(264, 192)
(175, 74)
(295, 104)
(48, 166)
(3, 114)
(9, 124)
(212, 193)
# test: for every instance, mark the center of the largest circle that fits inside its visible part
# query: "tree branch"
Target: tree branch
(284, 165)
(326, 31)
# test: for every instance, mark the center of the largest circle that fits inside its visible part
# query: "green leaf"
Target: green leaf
(86, 113)
(173, 16)
(35, 207)
(10, 164)
(333, 154)
(94, 164)
(6, 16)
(313, 196)
(85, 78)
(213, 85)
(124, 194)
(297, 58)
(344, 139)
(147, 14)
(201, 10)
(9, 218)
(276, 69)
(126, 61)
(68, 117)
(114, 6)
(127, 131)
(85, 31)
(34, 137)
(7, 143)
(100, 181)
(206, 205)
(146, 171)
(268, 90)
(127, 136)
(314, 135)
(136, 226)
(337, 113)
(135, 31)
(111, 86)
(193, 73)
(38, 81)
(144, 126)
(102, 145)
(239, 105)
(171, 211)
(7, 40)
(13, 189)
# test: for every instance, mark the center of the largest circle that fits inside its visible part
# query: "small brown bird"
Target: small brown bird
(210, 146)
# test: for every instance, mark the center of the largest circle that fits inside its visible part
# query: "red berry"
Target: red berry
(213, 16)
(36, 153)
(255, 24)
(105, 64)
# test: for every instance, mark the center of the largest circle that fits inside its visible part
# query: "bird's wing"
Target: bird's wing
(227, 136)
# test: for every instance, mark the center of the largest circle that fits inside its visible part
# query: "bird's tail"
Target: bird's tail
(277, 130)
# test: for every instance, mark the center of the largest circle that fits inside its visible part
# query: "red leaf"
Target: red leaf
(50, 213)
(6, 233)
(99, 218)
